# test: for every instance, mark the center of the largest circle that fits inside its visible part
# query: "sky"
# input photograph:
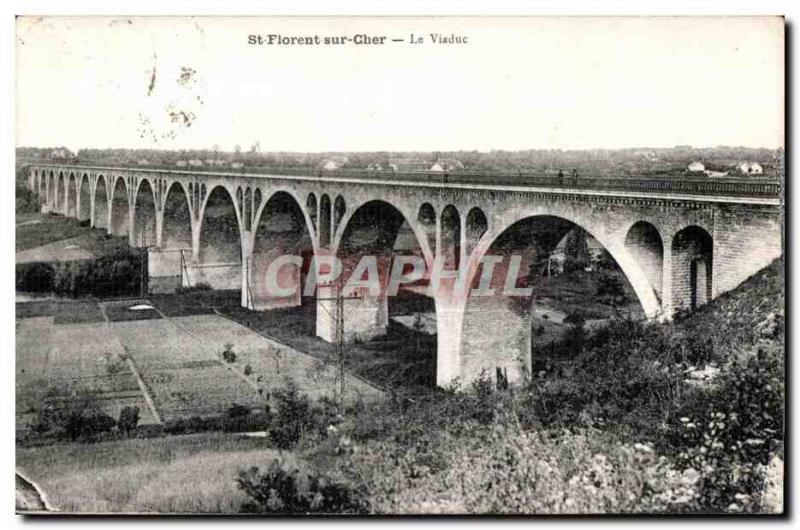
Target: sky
(517, 83)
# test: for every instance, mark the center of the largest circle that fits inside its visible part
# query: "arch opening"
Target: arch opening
(72, 197)
(325, 221)
(60, 199)
(169, 263)
(220, 246)
(101, 203)
(311, 208)
(85, 201)
(42, 189)
(644, 243)
(426, 217)
(567, 276)
(402, 325)
(692, 267)
(144, 216)
(477, 225)
(52, 202)
(451, 237)
(119, 208)
(339, 210)
(281, 230)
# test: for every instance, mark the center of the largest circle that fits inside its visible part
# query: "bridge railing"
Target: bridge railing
(765, 187)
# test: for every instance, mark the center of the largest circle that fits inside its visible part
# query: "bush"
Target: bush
(732, 432)
(128, 419)
(228, 354)
(34, 277)
(237, 411)
(293, 416)
(287, 490)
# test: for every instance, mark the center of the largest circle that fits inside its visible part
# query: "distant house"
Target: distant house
(181, 163)
(696, 167)
(328, 165)
(332, 164)
(195, 162)
(750, 168)
(237, 165)
(447, 164)
(143, 162)
(62, 153)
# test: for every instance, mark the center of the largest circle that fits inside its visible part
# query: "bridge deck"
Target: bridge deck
(761, 191)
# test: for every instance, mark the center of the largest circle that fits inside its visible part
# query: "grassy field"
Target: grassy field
(36, 230)
(174, 474)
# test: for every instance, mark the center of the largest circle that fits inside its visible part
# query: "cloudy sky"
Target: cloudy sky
(516, 84)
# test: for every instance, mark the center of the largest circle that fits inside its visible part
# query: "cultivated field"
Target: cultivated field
(178, 358)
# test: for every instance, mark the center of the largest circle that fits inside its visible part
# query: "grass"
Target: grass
(63, 312)
(175, 474)
(53, 228)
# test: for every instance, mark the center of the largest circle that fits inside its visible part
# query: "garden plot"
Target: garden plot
(273, 363)
(59, 364)
(183, 373)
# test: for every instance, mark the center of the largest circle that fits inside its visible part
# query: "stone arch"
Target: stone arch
(530, 236)
(101, 203)
(219, 252)
(257, 201)
(144, 215)
(643, 241)
(476, 226)
(339, 209)
(247, 213)
(426, 219)
(84, 198)
(379, 232)
(311, 208)
(52, 195)
(325, 232)
(692, 268)
(176, 224)
(61, 194)
(281, 228)
(72, 196)
(42, 189)
(120, 206)
(450, 240)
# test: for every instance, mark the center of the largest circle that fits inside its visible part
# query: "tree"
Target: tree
(128, 419)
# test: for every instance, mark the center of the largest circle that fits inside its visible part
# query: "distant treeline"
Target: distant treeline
(594, 161)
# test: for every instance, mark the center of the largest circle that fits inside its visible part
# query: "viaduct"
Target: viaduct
(680, 243)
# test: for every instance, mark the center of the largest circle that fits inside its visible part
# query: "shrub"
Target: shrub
(288, 490)
(128, 419)
(248, 369)
(732, 432)
(293, 416)
(237, 411)
(228, 354)
(34, 277)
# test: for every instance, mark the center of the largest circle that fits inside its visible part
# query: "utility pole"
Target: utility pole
(338, 318)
